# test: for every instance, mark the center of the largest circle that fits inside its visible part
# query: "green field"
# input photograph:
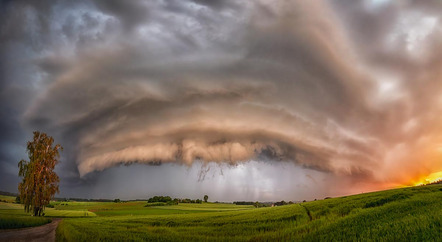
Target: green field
(407, 214)
(12, 216)
(396, 215)
(7, 199)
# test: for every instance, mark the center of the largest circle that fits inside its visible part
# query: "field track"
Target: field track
(41, 233)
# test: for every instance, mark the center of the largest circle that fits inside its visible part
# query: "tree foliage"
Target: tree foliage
(206, 198)
(156, 199)
(40, 182)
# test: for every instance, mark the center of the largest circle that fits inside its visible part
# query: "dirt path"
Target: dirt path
(41, 233)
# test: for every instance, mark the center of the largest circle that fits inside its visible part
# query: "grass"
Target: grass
(12, 216)
(7, 199)
(139, 208)
(409, 214)
(21, 221)
(68, 213)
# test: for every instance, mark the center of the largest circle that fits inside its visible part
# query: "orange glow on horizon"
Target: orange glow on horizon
(433, 177)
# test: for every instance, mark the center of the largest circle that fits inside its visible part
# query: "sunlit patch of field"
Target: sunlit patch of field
(395, 215)
(7, 206)
(9, 199)
(50, 212)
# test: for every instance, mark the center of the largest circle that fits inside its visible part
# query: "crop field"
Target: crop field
(405, 214)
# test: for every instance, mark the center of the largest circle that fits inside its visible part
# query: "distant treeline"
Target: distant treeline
(62, 199)
(169, 201)
(244, 203)
(435, 182)
(8, 194)
(265, 204)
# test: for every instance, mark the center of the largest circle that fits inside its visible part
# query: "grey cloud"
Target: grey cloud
(84, 96)
(232, 82)
(130, 13)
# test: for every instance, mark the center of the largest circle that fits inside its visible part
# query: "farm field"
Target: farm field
(404, 214)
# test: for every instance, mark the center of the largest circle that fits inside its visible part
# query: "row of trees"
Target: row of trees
(169, 201)
(159, 199)
(243, 203)
(259, 205)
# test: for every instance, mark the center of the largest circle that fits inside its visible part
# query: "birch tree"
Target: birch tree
(39, 180)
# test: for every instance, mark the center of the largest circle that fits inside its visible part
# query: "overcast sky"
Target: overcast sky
(240, 100)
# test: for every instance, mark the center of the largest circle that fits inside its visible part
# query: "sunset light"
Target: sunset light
(433, 177)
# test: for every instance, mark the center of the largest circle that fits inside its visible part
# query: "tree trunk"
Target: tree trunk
(35, 211)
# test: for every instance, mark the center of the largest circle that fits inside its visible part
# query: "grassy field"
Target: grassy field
(12, 216)
(7, 199)
(138, 208)
(407, 214)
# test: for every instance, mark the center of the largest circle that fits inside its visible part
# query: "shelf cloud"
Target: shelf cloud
(351, 89)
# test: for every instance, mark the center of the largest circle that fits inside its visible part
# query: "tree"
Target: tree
(159, 199)
(40, 182)
(206, 198)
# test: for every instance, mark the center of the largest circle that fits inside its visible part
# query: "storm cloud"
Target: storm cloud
(351, 90)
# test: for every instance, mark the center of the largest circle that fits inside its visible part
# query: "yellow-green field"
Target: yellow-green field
(7, 199)
(408, 214)
(13, 216)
